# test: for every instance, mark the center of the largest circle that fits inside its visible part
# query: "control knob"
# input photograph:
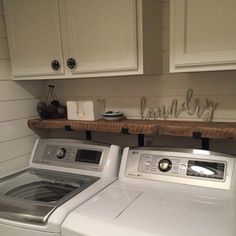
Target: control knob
(61, 153)
(164, 165)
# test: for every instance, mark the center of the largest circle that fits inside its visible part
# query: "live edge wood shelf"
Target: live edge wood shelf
(223, 130)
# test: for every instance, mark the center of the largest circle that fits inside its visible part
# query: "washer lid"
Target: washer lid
(30, 196)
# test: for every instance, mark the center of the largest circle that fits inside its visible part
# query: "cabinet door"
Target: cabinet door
(100, 35)
(203, 35)
(34, 37)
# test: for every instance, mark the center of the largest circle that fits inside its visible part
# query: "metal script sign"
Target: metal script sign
(202, 109)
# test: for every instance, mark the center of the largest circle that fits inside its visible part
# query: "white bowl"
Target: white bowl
(113, 114)
(115, 118)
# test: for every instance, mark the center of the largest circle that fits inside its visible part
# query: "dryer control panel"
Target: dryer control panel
(194, 167)
(176, 166)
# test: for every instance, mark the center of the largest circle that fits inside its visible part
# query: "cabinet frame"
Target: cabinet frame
(43, 70)
(144, 54)
(183, 61)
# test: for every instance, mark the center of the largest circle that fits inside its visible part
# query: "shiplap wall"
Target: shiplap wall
(124, 94)
(17, 104)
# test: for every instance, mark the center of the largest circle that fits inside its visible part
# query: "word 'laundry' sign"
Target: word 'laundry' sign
(202, 109)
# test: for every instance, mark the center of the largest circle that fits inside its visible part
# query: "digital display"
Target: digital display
(88, 156)
(213, 170)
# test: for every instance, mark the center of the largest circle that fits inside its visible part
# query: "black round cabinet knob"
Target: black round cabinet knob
(71, 63)
(55, 65)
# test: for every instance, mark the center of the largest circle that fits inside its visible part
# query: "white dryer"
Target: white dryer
(162, 193)
(62, 174)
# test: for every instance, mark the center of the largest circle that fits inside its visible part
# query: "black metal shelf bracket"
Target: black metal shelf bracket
(205, 142)
(88, 134)
(68, 128)
(124, 131)
(141, 140)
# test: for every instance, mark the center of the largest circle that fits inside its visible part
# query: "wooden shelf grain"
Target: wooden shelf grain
(223, 130)
(132, 126)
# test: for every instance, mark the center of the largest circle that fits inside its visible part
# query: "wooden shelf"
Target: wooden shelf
(222, 130)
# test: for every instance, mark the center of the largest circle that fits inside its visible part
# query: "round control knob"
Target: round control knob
(55, 65)
(164, 165)
(71, 63)
(61, 153)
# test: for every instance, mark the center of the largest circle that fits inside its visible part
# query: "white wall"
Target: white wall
(17, 104)
(124, 94)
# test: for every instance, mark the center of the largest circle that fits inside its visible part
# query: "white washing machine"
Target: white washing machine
(162, 193)
(62, 174)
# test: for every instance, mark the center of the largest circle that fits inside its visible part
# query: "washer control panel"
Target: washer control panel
(78, 155)
(73, 154)
(195, 167)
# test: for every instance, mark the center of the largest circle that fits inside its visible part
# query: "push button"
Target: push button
(183, 166)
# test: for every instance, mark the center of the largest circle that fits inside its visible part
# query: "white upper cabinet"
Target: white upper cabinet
(101, 34)
(202, 35)
(34, 37)
(83, 38)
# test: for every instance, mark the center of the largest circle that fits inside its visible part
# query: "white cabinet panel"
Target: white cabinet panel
(33, 29)
(104, 37)
(101, 34)
(203, 35)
